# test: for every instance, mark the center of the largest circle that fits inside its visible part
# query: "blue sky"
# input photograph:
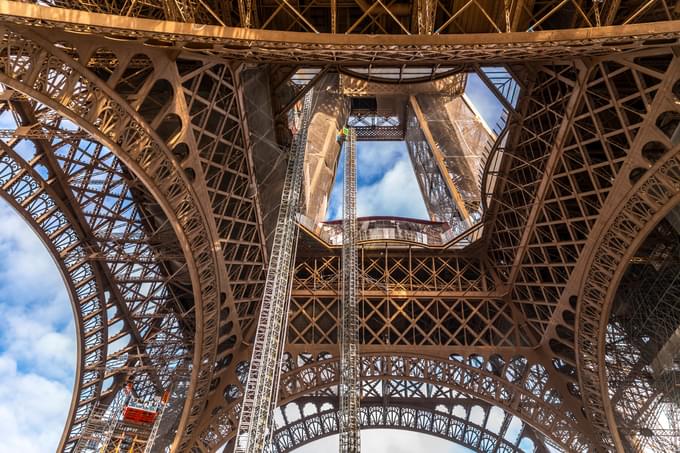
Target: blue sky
(37, 341)
(37, 337)
(484, 101)
(386, 183)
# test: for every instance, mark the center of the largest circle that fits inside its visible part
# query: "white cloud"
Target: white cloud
(388, 441)
(376, 158)
(396, 194)
(32, 409)
(37, 341)
(387, 184)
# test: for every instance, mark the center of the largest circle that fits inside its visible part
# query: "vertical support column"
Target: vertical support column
(261, 391)
(349, 342)
(439, 158)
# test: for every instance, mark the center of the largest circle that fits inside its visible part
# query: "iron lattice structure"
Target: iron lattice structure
(149, 155)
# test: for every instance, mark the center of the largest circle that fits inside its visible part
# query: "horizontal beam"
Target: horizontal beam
(435, 352)
(403, 294)
(347, 49)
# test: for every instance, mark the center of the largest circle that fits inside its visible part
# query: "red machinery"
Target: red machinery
(138, 413)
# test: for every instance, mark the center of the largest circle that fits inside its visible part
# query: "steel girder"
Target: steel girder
(347, 50)
(424, 17)
(569, 216)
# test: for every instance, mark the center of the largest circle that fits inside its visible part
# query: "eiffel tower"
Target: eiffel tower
(152, 145)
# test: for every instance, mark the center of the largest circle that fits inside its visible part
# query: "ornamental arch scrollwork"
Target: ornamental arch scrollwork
(514, 384)
(468, 423)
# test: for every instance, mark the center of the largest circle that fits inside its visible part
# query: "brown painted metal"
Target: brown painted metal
(158, 185)
(288, 47)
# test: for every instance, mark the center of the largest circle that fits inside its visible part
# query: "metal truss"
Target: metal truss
(286, 48)
(411, 298)
(133, 160)
(372, 126)
(466, 422)
(424, 17)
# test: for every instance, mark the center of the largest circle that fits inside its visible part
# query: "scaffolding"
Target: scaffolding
(349, 342)
(261, 391)
(125, 425)
(100, 426)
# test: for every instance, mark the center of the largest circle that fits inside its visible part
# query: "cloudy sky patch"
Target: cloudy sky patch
(386, 183)
(37, 341)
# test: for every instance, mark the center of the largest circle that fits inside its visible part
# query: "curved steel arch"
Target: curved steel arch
(517, 387)
(133, 300)
(48, 75)
(528, 397)
(634, 213)
(23, 189)
(404, 416)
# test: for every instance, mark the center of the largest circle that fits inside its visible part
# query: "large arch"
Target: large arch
(54, 79)
(516, 385)
(467, 423)
(116, 317)
(646, 193)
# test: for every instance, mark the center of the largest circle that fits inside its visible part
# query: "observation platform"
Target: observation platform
(393, 230)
